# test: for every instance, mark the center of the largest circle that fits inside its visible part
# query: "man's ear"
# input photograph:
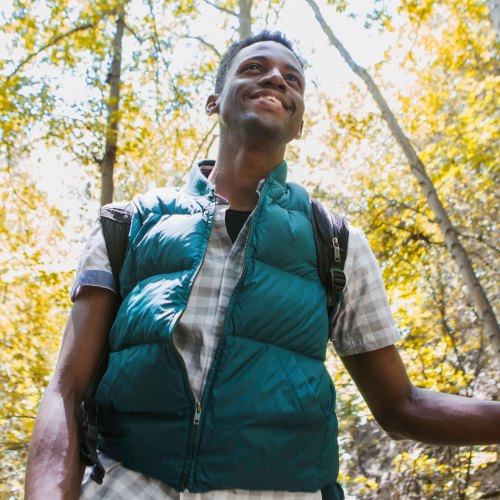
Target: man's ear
(212, 105)
(299, 133)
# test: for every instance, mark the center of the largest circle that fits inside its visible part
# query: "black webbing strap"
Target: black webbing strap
(331, 234)
(332, 491)
(115, 221)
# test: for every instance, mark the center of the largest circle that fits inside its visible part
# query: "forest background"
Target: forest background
(101, 100)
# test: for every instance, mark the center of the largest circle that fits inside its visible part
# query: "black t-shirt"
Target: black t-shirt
(235, 219)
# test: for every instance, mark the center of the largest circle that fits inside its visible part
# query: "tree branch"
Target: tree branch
(50, 43)
(209, 145)
(439, 297)
(14, 183)
(207, 135)
(157, 46)
(222, 9)
(477, 293)
(273, 9)
(134, 34)
(480, 238)
(204, 42)
(20, 416)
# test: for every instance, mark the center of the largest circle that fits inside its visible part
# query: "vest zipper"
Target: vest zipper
(197, 405)
(192, 437)
(197, 413)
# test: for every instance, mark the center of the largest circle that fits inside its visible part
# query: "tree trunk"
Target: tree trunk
(114, 79)
(481, 303)
(494, 8)
(245, 18)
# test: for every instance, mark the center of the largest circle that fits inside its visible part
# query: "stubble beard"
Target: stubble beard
(259, 129)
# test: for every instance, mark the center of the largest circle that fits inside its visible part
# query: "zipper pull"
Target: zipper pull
(197, 413)
(336, 250)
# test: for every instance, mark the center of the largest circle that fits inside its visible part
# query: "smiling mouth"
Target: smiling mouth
(271, 98)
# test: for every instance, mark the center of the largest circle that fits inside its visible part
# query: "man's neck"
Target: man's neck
(237, 173)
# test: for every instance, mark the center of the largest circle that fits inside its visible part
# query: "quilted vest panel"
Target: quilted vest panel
(268, 419)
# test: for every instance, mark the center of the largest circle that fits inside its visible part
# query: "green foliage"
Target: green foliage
(55, 87)
(445, 96)
(447, 103)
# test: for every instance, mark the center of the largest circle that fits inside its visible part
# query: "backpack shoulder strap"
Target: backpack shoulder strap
(331, 235)
(115, 221)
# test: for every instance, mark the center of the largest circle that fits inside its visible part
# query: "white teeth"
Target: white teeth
(270, 98)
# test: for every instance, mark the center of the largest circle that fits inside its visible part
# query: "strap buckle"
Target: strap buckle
(337, 279)
(88, 448)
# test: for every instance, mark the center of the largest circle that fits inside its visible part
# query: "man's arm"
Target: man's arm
(407, 412)
(55, 469)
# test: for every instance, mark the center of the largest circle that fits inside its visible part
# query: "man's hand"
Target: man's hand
(55, 469)
(407, 412)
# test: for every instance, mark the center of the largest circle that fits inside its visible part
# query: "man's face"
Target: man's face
(263, 93)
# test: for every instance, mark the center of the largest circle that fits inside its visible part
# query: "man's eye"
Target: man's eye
(254, 67)
(293, 78)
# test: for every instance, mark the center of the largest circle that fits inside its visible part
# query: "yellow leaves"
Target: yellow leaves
(33, 305)
(448, 105)
(416, 463)
(432, 468)
(29, 341)
(418, 9)
(365, 485)
(183, 7)
(340, 5)
(449, 108)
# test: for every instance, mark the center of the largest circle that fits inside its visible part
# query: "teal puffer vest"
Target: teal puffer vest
(267, 418)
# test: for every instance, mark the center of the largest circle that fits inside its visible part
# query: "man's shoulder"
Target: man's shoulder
(157, 200)
(359, 245)
(356, 232)
(157, 195)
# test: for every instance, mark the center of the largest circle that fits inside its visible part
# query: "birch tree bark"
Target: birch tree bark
(482, 305)
(494, 8)
(245, 18)
(107, 164)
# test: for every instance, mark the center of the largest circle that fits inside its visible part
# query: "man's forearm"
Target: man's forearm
(54, 469)
(406, 412)
(445, 419)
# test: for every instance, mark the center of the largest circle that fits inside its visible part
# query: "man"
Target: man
(216, 382)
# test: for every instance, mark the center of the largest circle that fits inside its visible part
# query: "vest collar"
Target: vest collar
(199, 185)
(278, 174)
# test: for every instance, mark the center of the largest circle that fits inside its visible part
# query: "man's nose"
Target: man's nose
(274, 78)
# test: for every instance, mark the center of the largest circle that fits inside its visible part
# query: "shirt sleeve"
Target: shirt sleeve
(94, 268)
(364, 320)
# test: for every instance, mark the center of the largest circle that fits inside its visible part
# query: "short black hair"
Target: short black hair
(234, 48)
